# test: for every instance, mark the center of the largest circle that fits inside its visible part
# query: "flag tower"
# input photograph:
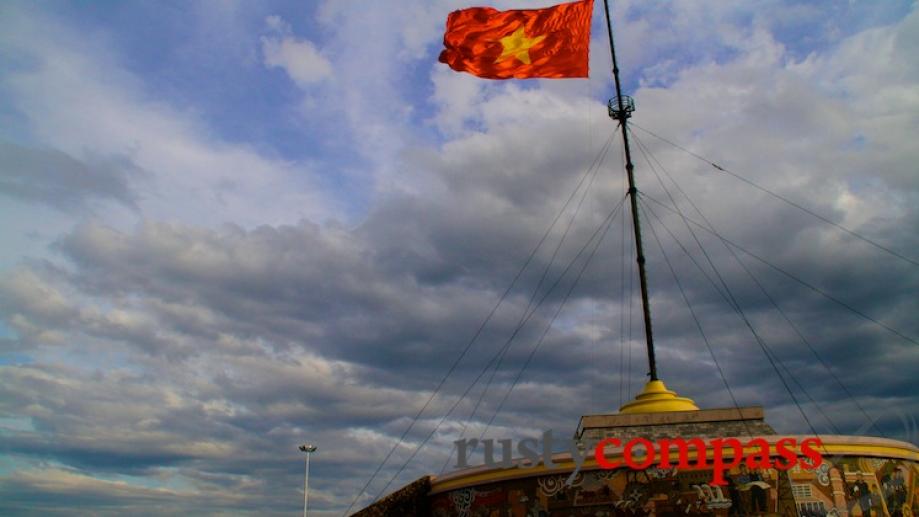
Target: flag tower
(655, 396)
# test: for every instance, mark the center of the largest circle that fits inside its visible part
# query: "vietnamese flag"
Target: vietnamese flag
(550, 43)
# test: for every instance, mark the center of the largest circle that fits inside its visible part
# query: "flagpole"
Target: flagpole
(621, 109)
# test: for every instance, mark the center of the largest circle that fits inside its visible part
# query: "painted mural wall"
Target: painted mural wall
(847, 486)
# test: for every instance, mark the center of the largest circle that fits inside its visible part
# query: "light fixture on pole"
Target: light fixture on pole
(307, 448)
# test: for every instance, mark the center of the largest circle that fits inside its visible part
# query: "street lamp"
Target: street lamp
(307, 448)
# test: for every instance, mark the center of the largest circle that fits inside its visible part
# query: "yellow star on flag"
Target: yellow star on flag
(518, 45)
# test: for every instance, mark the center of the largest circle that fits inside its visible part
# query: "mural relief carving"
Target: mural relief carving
(846, 487)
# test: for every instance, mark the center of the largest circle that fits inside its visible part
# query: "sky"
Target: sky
(229, 228)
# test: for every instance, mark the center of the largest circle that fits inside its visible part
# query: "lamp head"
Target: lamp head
(308, 448)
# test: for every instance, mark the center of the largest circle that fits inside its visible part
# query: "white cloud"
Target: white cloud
(78, 99)
(300, 58)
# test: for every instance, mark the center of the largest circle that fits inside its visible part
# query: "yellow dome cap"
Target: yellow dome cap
(656, 398)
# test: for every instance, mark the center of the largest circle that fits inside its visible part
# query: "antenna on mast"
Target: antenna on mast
(621, 108)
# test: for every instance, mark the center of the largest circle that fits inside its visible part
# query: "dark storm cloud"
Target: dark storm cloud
(247, 303)
(60, 181)
(378, 304)
(202, 356)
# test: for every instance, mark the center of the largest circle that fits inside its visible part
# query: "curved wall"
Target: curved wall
(859, 476)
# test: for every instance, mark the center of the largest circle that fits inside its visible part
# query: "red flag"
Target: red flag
(551, 43)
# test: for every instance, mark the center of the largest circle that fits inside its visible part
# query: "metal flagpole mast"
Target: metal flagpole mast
(621, 109)
(306, 487)
(308, 449)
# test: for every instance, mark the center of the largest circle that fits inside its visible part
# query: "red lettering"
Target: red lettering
(812, 454)
(601, 457)
(762, 455)
(664, 444)
(790, 456)
(718, 458)
(649, 453)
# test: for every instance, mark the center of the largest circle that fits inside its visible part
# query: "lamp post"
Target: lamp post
(307, 448)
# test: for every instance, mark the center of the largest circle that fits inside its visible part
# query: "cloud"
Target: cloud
(78, 100)
(60, 181)
(298, 57)
(173, 363)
